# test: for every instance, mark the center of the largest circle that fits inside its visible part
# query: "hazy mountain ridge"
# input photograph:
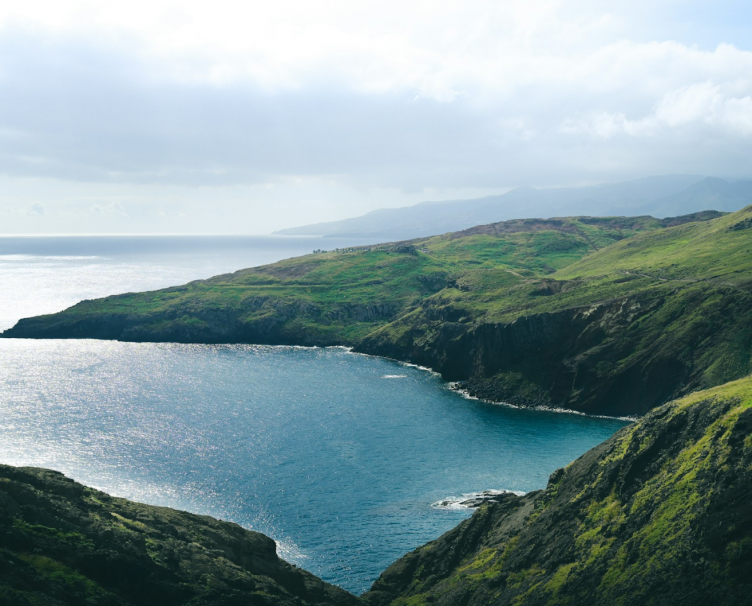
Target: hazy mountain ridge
(664, 196)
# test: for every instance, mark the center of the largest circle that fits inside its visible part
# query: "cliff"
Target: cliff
(661, 513)
(602, 315)
(63, 543)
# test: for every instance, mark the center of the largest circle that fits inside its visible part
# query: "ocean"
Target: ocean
(340, 457)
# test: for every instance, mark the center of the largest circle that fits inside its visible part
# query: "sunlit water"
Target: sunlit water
(337, 456)
(41, 275)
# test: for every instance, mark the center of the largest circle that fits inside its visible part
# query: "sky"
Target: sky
(246, 116)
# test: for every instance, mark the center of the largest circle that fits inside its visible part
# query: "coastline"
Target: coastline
(453, 385)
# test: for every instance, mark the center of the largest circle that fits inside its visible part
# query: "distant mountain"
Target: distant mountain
(710, 193)
(662, 196)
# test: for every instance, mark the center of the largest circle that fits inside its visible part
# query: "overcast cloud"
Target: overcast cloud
(245, 117)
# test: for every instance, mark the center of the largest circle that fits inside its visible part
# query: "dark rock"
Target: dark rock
(475, 500)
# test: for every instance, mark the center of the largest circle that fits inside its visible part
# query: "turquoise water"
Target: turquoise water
(337, 456)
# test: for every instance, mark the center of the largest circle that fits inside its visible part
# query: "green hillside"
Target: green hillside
(607, 315)
(339, 297)
(621, 330)
(62, 543)
(658, 514)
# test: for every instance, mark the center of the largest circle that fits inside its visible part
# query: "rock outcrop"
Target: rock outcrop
(62, 543)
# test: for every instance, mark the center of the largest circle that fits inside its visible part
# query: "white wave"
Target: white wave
(471, 500)
(423, 368)
(400, 362)
(290, 552)
(568, 411)
(394, 377)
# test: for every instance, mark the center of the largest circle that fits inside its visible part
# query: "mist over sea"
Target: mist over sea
(337, 456)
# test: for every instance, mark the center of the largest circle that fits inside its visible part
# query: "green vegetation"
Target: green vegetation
(63, 543)
(340, 297)
(659, 514)
(603, 315)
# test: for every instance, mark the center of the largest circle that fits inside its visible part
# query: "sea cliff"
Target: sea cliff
(661, 513)
(602, 315)
(62, 543)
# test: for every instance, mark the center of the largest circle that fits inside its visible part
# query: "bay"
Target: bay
(337, 456)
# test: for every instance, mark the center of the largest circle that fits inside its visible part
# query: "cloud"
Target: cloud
(388, 96)
(112, 208)
(704, 108)
(35, 209)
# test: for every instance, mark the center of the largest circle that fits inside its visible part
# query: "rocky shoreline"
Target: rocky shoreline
(476, 499)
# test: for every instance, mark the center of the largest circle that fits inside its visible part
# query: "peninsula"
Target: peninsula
(602, 315)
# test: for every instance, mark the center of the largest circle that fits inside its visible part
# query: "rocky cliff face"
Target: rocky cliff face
(63, 543)
(659, 514)
(616, 357)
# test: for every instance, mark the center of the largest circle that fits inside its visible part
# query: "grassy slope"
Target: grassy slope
(339, 298)
(619, 331)
(705, 253)
(611, 316)
(658, 514)
(63, 543)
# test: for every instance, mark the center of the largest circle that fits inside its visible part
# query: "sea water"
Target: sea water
(337, 456)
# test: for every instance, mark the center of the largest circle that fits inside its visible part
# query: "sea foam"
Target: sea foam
(472, 500)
